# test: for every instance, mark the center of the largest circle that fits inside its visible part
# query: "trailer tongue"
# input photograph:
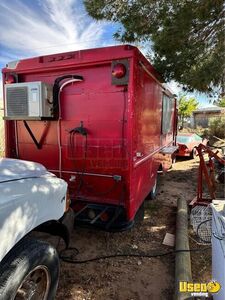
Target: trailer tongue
(101, 119)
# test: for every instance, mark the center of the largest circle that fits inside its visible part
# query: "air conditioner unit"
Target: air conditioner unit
(29, 101)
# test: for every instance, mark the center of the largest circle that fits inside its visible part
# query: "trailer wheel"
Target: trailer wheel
(152, 194)
(174, 159)
(29, 271)
(139, 217)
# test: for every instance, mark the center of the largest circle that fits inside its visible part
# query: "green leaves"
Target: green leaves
(220, 102)
(186, 107)
(187, 36)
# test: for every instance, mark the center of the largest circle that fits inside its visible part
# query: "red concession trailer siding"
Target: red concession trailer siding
(127, 124)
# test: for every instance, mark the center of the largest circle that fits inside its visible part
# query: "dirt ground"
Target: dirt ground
(135, 278)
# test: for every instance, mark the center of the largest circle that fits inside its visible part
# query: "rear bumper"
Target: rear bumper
(91, 215)
(116, 227)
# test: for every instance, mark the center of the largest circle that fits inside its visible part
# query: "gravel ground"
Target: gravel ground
(131, 278)
(135, 278)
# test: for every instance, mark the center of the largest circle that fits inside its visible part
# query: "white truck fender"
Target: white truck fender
(29, 197)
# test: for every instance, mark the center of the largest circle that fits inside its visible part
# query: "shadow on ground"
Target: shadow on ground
(131, 278)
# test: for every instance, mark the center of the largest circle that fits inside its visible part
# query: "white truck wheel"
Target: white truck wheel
(29, 271)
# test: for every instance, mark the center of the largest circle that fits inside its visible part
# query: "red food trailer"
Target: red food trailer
(101, 119)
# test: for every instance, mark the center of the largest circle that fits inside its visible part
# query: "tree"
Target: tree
(220, 102)
(186, 107)
(185, 38)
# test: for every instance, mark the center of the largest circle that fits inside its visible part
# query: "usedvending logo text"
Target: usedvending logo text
(197, 289)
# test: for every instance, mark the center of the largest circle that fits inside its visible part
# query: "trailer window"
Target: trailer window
(167, 112)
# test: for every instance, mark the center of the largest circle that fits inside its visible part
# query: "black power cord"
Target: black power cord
(56, 89)
(68, 259)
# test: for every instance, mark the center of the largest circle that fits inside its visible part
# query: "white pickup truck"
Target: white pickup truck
(31, 199)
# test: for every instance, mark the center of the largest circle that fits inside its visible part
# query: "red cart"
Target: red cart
(101, 119)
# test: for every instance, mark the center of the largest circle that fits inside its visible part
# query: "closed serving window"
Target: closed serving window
(167, 114)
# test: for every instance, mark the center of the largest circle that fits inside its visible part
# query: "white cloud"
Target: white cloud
(55, 27)
(47, 26)
(50, 26)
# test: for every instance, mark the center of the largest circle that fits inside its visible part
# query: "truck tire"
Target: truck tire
(29, 271)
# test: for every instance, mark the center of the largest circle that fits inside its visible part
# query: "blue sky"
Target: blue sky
(31, 28)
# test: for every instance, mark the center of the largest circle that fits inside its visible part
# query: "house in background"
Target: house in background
(201, 116)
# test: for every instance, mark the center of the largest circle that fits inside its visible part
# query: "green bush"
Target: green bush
(217, 127)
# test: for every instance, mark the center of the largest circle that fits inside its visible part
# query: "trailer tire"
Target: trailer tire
(31, 268)
(152, 194)
(139, 217)
(174, 159)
